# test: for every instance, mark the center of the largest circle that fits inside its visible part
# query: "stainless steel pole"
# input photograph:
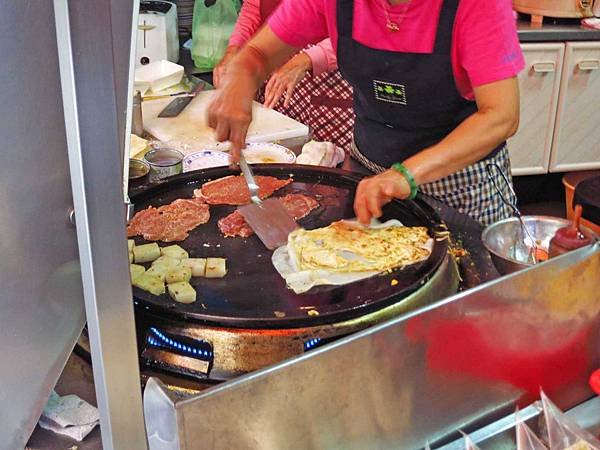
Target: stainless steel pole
(90, 89)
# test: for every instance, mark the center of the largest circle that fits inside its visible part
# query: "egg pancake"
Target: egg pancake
(347, 247)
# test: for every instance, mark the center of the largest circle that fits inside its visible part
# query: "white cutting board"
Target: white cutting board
(189, 130)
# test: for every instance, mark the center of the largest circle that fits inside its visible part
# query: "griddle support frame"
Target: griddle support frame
(95, 86)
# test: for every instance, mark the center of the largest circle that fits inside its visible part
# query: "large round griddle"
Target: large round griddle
(253, 294)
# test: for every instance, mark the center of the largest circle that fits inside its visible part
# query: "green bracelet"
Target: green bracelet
(411, 180)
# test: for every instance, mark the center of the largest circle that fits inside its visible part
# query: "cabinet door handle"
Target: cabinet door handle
(544, 67)
(589, 64)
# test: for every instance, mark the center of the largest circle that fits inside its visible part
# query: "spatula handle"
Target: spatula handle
(249, 176)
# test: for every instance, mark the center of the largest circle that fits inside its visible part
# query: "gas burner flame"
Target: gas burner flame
(311, 343)
(160, 340)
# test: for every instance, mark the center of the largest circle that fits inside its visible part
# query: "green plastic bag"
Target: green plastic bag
(212, 26)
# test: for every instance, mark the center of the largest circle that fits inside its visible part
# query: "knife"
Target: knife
(176, 106)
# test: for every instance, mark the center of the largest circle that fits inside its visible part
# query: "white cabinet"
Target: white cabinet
(576, 143)
(539, 84)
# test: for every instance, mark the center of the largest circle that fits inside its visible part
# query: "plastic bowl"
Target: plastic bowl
(507, 245)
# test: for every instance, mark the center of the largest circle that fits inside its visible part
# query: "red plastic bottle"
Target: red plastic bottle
(569, 238)
(595, 381)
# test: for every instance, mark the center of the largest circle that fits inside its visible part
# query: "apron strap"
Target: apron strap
(345, 20)
(443, 39)
(331, 102)
(345, 17)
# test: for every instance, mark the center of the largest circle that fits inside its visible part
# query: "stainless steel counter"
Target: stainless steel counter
(553, 30)
(458, 365)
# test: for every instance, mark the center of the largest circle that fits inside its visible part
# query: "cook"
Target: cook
(308, 88)
(435, 92)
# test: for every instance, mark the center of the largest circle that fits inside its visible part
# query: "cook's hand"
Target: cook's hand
(286, 78)
(221, 68)
(230, 115)
(376, 191)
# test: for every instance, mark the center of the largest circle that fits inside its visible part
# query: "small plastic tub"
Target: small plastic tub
(164, 162)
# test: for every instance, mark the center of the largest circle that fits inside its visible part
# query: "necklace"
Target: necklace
(391, 25)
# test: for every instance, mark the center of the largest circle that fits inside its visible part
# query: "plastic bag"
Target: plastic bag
(212, 26)
(469, 444)
(564, 433)
(321, 154)
(526, 438)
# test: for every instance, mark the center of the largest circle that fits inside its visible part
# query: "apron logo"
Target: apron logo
(390, 92)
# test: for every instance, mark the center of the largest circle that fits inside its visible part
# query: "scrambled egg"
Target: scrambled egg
(345, 247)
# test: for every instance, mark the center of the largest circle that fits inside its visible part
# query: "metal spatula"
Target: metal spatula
(268, 218)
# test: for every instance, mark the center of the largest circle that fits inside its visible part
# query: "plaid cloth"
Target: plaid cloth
(324, 104)
(469, 190)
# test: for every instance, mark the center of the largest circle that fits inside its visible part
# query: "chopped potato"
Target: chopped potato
(215, 268)
(182, 292)
(174, 251)
(130, 245)
(136, 270)
(167, 261)
(150, 283)
(179, 274)
(159, 271)
(146, 252)
(198, 266)
(130, 257)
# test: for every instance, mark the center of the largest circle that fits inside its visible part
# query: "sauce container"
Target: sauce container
(139, 173)
(570, 237)
(164, 162)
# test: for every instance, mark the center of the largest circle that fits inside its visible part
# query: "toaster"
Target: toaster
(558, 8)
(157, 37)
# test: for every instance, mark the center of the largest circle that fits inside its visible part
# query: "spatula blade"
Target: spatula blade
(270, 221)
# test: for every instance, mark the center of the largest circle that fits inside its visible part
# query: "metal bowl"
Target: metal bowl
(509, 246)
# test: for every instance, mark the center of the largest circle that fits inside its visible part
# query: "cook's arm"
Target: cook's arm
(322, 57)
(319, 58)
(247, 23)
(496, 120)
(230, 113)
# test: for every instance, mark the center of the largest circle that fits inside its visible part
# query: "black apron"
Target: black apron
(406, 102)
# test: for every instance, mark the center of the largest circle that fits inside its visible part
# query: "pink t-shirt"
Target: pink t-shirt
(485, 46)
(322, 56)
